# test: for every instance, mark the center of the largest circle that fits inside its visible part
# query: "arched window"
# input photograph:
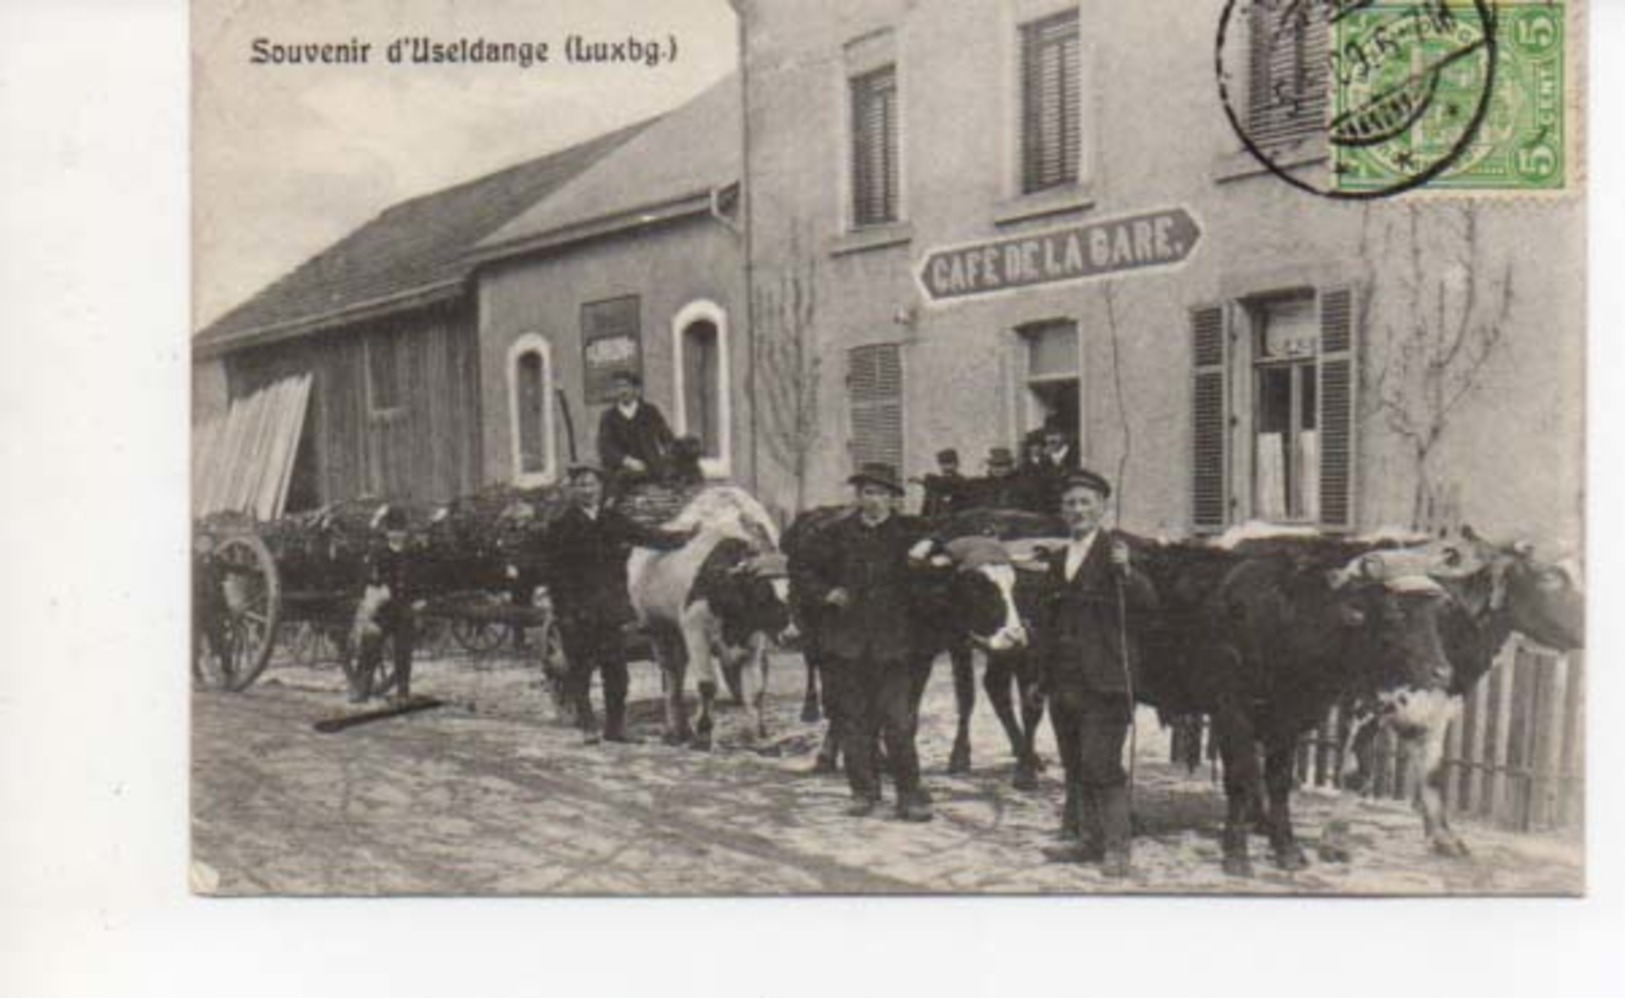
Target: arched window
(700, 370)
(530, 409)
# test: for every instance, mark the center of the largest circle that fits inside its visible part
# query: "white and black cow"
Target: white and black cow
(1495, 591)
(714, 604)
(964, 591)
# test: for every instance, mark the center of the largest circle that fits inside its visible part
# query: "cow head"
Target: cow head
(1396, 621)
(982, 592)
(1542, 600)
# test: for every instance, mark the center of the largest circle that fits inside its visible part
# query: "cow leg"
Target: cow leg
(996, 681)
(1425, 759)
(964, 669)
(753, 683)
(1241, 779)
(1353, 773)
(695, 623)
(1279, 777)
(673, 669)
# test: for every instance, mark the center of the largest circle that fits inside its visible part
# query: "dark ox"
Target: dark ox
(965, 591)
(1495, 591)
(1265, 642)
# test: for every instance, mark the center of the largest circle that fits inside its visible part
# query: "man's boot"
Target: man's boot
(1080, 828)
(1117, 830)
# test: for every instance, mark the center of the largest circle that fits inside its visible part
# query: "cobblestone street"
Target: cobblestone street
(492, 795)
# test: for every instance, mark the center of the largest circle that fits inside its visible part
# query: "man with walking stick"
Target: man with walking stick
(1087, 615)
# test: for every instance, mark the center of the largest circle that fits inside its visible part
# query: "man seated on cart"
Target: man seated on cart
(584, 557)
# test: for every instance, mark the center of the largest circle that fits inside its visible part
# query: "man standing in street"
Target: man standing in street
(860, 574)
(634, 442)
(1089, 610)
(388, 612)
(585, 550)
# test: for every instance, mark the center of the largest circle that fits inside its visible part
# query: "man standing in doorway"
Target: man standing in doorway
(585, 551)
(634, 441)
(1090, 608)
(860, 574)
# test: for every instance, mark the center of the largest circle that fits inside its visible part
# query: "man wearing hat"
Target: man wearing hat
(634, 442)
(1002, 487)
(946, 492)
(584, 556)
(1089, 609)
(859, 572)
(387, 611)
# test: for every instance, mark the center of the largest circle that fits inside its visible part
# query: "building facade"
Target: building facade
(1348, 365)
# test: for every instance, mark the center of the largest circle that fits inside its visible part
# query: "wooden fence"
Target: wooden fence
(1515, 758)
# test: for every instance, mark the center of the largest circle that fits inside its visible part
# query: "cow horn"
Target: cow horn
(1523, 549)
(1371, 567)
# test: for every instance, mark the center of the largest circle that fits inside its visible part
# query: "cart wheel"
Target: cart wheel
(554, 668)
(479, 636)
(253, 602)
(383, 677)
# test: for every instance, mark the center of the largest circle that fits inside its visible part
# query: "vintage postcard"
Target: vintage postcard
(758, 447)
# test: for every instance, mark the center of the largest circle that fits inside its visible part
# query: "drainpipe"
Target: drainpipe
(748, 224)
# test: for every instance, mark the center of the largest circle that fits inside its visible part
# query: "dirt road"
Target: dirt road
(491, 795)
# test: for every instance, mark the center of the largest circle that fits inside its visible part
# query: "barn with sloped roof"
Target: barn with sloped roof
(359, 372)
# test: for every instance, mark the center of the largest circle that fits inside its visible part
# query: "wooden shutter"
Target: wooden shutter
(1210, 419)
(874, 387)
(874, 147)
(1050, 102)
(1338, 380)
(1287, 72)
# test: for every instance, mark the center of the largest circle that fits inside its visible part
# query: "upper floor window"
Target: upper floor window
(1051, 115)
(1286, 78)
(874, 147)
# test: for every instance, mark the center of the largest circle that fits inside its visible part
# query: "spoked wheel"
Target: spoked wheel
(478, 636)
(242, 637)
(554, 668)
(382, 677)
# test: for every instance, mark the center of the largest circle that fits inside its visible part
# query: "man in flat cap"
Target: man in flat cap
(946, 491)
(1085, 620)
(634, 441)
(584, 553)
(859, 572)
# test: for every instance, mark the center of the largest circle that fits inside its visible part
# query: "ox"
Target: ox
(965, 591)
(1496, 591)
(718, 600)
(1265, 638)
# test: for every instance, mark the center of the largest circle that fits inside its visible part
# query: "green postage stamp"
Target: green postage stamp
(1471, 95)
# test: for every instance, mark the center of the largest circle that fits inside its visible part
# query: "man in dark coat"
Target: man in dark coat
(634, 442)
(1055, 461)
(388, 612)
(1003, 487)
(1086, 615)
(584, 556)
(859, 574)
(947, 492)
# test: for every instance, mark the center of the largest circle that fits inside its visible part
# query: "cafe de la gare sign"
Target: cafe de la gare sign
(1128, 243)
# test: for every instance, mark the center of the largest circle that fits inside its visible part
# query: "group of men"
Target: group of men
(1032, 484)
(862, 575)
(861, 578)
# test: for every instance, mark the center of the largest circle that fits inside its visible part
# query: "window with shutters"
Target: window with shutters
(874, 386)
(1272, 411)
(875, 173)
(1051, 113)
(1287, 78)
